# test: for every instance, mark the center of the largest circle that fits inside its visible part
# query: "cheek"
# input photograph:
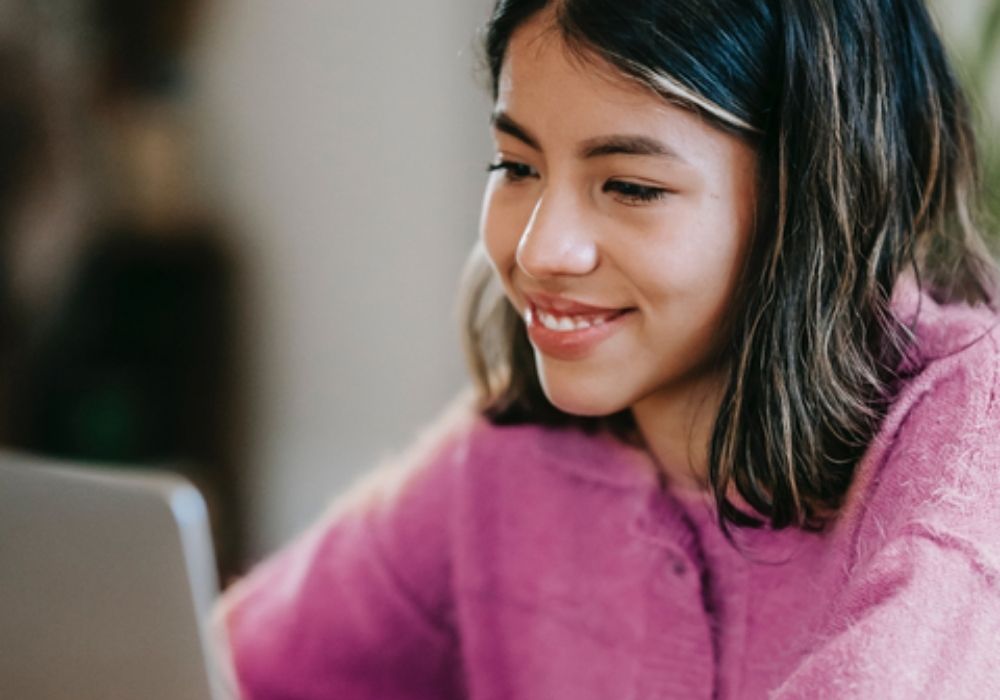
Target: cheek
(500, 229)
(688, 278)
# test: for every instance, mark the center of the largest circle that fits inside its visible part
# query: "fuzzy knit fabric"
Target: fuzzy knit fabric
(526, 563)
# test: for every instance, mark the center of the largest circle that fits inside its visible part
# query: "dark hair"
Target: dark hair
(867, 167)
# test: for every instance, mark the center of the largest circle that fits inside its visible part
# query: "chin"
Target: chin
(579, 399)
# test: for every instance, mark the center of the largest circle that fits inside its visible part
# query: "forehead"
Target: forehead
(539, 59)
(564, 95)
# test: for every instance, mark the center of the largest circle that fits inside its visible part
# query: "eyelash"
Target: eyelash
(629, 192)
(634, 193)
(513, 171)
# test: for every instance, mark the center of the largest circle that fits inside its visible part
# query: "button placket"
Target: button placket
(678, 658)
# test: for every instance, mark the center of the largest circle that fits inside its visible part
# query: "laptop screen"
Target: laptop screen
(106, 581)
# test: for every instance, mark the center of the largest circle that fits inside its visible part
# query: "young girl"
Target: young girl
(735, 430)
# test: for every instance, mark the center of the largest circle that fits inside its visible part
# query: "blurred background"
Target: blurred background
(231, 232)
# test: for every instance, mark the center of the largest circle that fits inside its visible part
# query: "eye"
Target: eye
(513, 171)
(633, 193)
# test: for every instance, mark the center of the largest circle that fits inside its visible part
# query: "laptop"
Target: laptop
(107, 577)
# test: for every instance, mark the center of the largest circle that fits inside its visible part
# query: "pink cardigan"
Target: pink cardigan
(527, 563)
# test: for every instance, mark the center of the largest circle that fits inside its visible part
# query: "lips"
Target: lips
(568, 329)
(566, 306)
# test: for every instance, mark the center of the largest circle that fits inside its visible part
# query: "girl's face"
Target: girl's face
(617, 224)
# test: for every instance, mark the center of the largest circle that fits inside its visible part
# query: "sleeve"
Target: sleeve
(919, 616)
(357, 607)
(920, 619)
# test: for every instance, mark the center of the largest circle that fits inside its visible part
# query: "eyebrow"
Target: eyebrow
(617, 144)
(504, 123)
(627, 144)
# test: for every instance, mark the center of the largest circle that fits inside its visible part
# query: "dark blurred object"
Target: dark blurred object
(21, 146)
(134, 362)
(141, 42)
(21, 133)
(137, 367)
(130, 358)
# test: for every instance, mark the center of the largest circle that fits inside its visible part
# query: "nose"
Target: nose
(556, 240)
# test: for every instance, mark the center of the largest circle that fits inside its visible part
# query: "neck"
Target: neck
(676, 426)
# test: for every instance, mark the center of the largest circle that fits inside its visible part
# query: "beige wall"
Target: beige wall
(348, 140)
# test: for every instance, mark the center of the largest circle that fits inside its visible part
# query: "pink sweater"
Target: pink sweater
(527, 563)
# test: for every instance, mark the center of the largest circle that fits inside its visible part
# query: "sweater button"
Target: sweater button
(678, 567)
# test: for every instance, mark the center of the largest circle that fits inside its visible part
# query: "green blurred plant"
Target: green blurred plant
(983, 75)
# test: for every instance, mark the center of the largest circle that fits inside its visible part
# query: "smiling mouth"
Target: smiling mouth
(574, 331)
(566, 322)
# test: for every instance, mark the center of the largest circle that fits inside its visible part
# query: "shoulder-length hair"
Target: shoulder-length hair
(867, 168)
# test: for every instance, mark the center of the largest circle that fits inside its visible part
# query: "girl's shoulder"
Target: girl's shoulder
(949, 380)
(958, 332)
(912, 606)
(933, 470)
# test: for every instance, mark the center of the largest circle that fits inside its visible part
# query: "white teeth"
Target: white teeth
(565, 324)
(548, 320)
